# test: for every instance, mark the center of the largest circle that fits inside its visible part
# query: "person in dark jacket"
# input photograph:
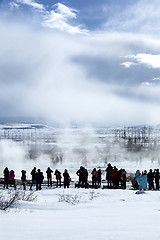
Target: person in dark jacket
(85, 177)
(58, 177)
(49, 176)
(123, 178)
(33, 173)
(23, 178)
(6, 177)
(150, 178)
(109, 174)
(119, 180)
(82, 176)
(99, 174)
(39, 179)
(156, 175)
(66, 178)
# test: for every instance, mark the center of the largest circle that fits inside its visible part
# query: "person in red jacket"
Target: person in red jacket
(115, 177)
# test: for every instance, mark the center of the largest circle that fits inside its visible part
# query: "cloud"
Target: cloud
(156, 79)
(127, 64)
(13, 5)
(65, 11)
(59, 17)
(97, 78)
(39, 77)
(138, 17)
(31, 3)
(150, 60)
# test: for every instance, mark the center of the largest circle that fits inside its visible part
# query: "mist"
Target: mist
(71, 148)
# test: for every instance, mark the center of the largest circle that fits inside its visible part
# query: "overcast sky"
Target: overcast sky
(81, 61)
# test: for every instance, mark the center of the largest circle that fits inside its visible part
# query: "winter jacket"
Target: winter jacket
(58, 174)
(150, 176)
(99, 175)
(23, 178)
(39, 178)
(66, 177)
(49, 173)
(6, 174)
(115, 174)
(11, 175)
(94, 174)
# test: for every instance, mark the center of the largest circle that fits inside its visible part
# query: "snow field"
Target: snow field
(99, 214)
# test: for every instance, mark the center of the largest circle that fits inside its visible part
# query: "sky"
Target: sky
(84, 62)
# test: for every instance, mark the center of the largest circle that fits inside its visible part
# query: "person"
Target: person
(119, 181)
(66, 178)
(58, 177)
(23, 178)
(135, 182)
(99, 174)
(49, 176)
(109, 174)
(123, 178)
(11, 178)
(115, 177)
(6, 177)
(82, 176)
(33, 173)
(142, 180)
(150, 178)
(156, 175)
(85, 178)
(94, 177)
(39, 179)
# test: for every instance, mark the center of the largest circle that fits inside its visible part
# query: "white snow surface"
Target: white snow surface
(88, 214)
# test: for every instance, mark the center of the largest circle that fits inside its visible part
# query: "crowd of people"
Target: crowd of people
(37, 178)
(113, 177)
(116, 178)
(152, 178)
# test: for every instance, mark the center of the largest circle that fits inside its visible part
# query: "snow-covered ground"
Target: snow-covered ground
(69, 214)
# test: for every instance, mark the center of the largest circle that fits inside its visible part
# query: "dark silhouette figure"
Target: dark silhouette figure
(99, 176)
(49, 176)
(156, 174)
(33, 173)
(120, 177)
(66, 178)
(58, 177)
(85, 177)
(109, 174)
(23, 178)
(6, 177)
(83, 174)
(150, 178)
(39, 179)
(123, 178)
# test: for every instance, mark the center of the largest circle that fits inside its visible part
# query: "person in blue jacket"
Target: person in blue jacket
(39, 179)
(99, 177)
